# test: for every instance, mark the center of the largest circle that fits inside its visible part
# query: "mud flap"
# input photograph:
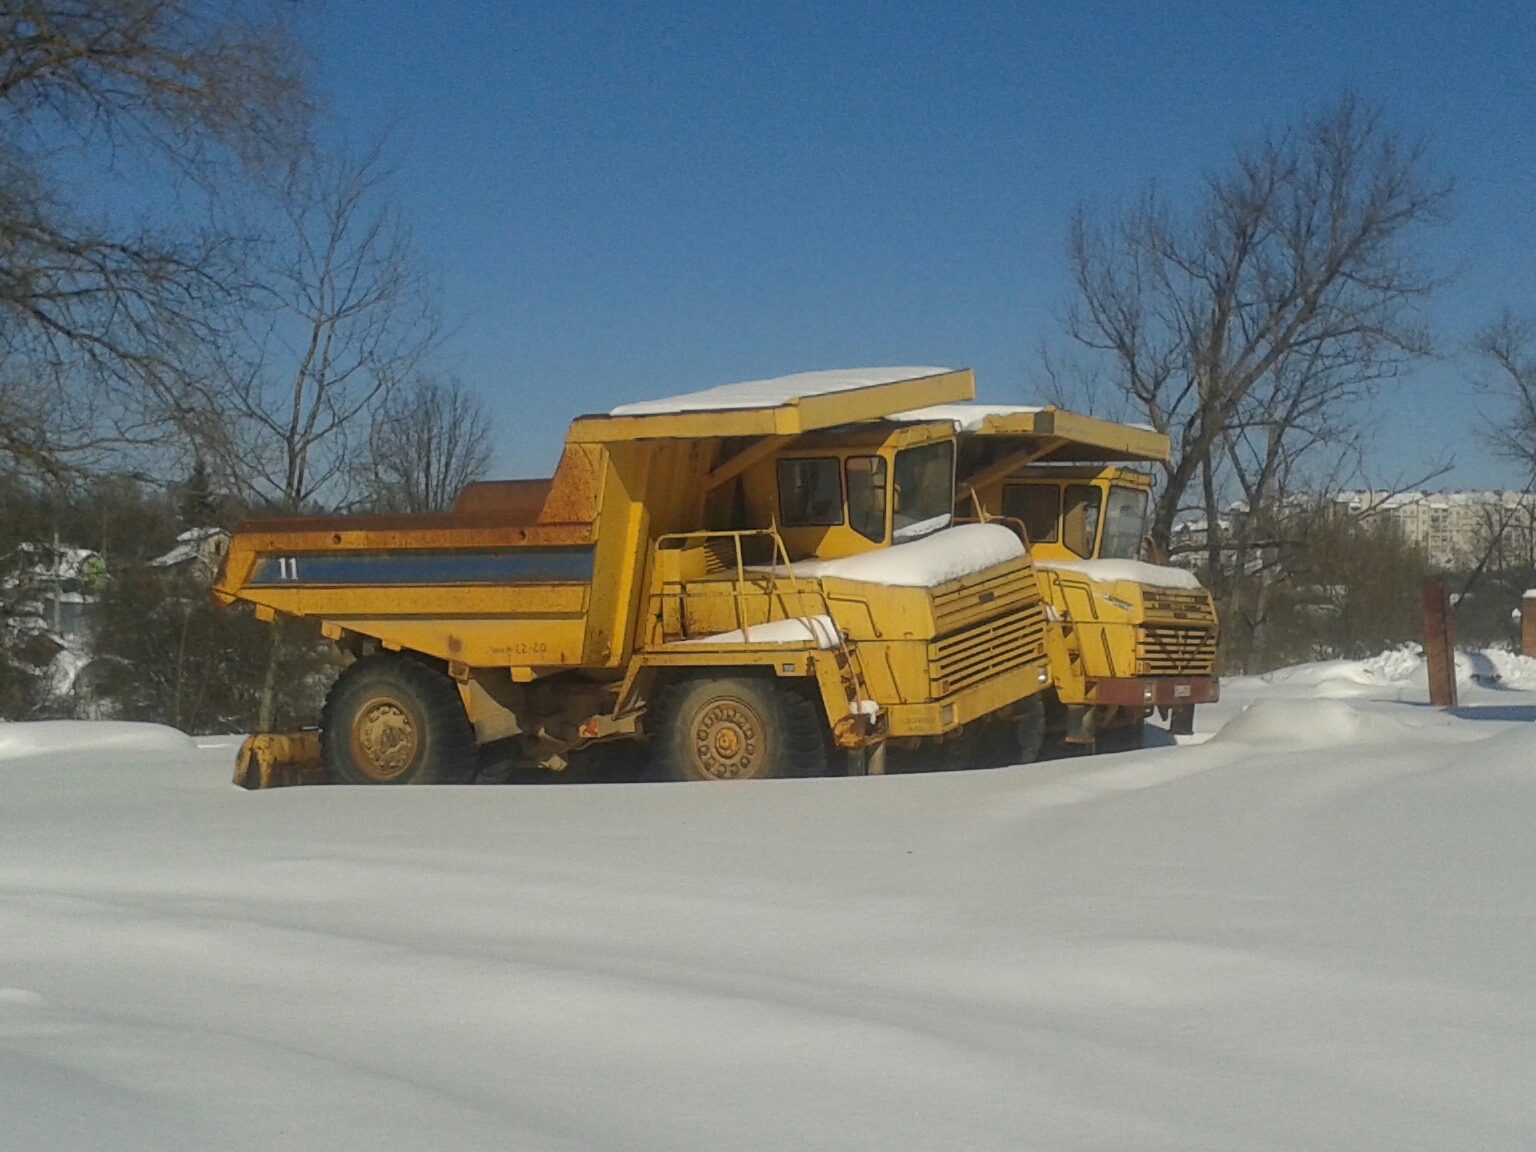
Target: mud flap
(280, 759)
(1082, 724)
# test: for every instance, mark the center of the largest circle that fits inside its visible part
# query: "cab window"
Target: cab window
(1125, 519)
(865, 477)
(1038, 505)
(810, 492)
(924, 499)
(1080, 518)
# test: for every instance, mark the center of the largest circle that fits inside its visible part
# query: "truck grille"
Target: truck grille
(977, 653)
(1162, 651)
(1193, 605)
(963, 600)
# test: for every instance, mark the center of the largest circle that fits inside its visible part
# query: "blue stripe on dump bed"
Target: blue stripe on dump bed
(519, 566)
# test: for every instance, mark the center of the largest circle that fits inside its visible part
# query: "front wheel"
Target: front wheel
(1029, 729)
(737, 728)
(393, 720)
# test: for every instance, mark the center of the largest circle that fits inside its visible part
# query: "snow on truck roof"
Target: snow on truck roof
(783, 405)
(965, 417)
(776, 391)
(1063, 436)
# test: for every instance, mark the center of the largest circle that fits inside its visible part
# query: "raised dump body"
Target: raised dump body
(682, 578)
(1127, 636)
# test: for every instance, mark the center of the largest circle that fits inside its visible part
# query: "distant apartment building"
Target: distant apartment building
(1453, 528)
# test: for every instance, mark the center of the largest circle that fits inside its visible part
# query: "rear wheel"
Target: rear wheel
(393, 720)
(738, 728)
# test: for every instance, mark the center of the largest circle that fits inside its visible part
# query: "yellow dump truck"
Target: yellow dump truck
(721, 574)
(1127, 636)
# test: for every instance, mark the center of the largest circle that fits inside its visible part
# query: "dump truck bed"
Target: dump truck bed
(472, 588)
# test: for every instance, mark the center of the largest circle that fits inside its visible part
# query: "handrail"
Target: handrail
(781, 553)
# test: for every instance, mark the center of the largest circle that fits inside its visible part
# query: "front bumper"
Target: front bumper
(1155, 691)
(936, 717)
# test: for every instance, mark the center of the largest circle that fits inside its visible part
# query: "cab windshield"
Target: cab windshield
(924, 496)
(1125, 520)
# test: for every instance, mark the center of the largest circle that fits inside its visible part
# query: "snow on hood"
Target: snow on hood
(946, 555)
(821, 629)
(776, 391)
(1108, 571)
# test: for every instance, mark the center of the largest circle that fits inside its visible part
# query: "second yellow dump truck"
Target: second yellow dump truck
(1127, 636)
(719, 574)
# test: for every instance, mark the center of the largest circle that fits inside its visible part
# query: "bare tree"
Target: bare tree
(427, 441)
(107, 310)
(1296, 427)
(1297, 266)
(348, 316)
(1508, 346)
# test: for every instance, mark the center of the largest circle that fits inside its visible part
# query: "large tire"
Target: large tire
(1010, 738)
(737, 728)
(985, 743)
(394, 720)
(1029, 730)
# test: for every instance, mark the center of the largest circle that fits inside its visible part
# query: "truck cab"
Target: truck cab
(846, 491)
(1128, 637)
(1077, 512)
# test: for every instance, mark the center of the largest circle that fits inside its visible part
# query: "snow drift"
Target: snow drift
(1401, 669)
(42, 737)
(1320, 723)
(1247, 944)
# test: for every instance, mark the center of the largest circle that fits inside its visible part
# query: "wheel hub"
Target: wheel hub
(384, 739)
(727, 741)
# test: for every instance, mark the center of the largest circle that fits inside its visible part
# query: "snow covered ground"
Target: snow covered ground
(1315, 930)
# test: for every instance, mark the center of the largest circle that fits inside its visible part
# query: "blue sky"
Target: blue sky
(626, 200)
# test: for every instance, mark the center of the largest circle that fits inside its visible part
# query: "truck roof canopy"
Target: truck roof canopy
(782, 406)
(1056, 435)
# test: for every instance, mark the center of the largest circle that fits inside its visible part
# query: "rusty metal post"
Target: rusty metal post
(1528, 623)
(1439, 643)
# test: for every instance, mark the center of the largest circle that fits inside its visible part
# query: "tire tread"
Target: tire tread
(803, 749)
(450, 737)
